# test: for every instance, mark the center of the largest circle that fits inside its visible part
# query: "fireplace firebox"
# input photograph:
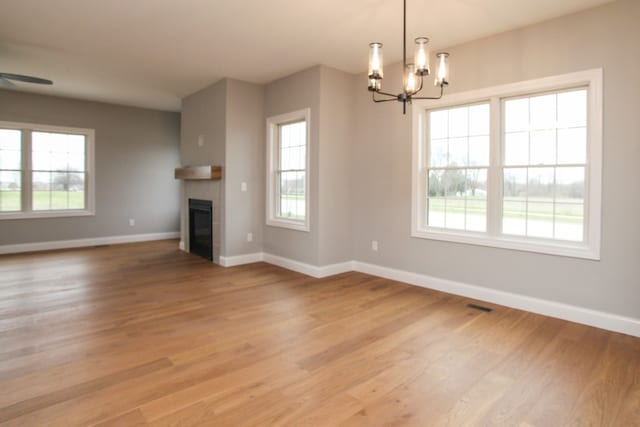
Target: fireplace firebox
(200, 230)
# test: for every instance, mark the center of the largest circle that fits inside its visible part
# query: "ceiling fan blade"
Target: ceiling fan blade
(6, 83)
(26, 79)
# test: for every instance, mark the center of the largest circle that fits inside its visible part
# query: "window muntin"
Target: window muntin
(288, 170)
(45, 171)
(544, 167)
(566, 161)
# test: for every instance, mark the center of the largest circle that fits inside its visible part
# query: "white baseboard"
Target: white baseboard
(599, 319)
(231, 261)
(308, 269)
(181, 246)
(81, 243)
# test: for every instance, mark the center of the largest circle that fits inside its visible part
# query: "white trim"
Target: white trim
(272, 147)
(572, 313)
(590, 249)
(81, 243)
(231, 261)
(181, 246)
(599, 319)
(308, 269)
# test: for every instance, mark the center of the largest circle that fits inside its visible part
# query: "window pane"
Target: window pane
(540, 219)
(293, 134)
(10, 139)
(41, 160)
(570, 184)
(515, 184)
(479, 151)
(10, 186)
(516, 149)
(516, 112)
(476, 214)
(454, 217)
(41, 190)
(458, 152)
(10, 159)
(541, 186)
(439, 124)
(543, 147)
(572, 108)
(514, 218)
(479, 121)
(76, 162)
(77, 190)
(569, 223)
(458, 122)
(436, 184)
(436, 207)
(438, 152)
(542, 113)
(572, 145)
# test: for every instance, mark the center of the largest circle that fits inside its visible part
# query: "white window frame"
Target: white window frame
(27, 167)
(590, 247)
(272, 166)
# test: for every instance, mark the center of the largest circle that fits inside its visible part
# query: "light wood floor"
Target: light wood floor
(144, 334)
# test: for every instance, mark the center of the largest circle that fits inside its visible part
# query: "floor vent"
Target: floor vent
(479, 307)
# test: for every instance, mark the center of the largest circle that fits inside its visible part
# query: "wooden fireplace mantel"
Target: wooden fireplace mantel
(209, 172)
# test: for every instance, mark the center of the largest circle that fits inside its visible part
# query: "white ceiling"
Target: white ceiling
(152, 53)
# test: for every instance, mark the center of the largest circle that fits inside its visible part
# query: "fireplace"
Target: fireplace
(200, 230)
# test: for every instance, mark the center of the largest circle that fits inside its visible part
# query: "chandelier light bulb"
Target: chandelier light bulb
(421, 56)
(375, 61)
(411, 83)
(442, 77)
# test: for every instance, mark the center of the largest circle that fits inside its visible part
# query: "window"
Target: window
(516, 166)
(45, 171)
(287, 170)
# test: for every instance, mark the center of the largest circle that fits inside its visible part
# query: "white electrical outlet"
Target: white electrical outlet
(374, 245)
(200, 140)
(249, 237)
(243, 186)
(132, 222)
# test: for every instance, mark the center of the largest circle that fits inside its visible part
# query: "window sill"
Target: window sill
(293, 225)
(46, 214)
(538, 246)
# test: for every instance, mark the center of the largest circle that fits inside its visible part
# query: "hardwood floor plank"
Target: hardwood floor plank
(144, 334)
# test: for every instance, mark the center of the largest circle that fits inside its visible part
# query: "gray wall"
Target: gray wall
(606, 37)
(245, 162)
(136, 151)
(335, 165)
(203, 118)
(328, 93)
(298, 91)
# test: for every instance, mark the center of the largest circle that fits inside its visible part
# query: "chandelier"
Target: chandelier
(411, 72)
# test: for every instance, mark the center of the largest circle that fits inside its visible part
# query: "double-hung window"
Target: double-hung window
(45, 171)
(516, 166)
(287, 170)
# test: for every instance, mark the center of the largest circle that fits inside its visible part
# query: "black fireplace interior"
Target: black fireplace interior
(200, 234)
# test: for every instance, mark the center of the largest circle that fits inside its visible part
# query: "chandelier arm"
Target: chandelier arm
(419, 89)
(394, 96)
(373, 96)
(431, 97)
